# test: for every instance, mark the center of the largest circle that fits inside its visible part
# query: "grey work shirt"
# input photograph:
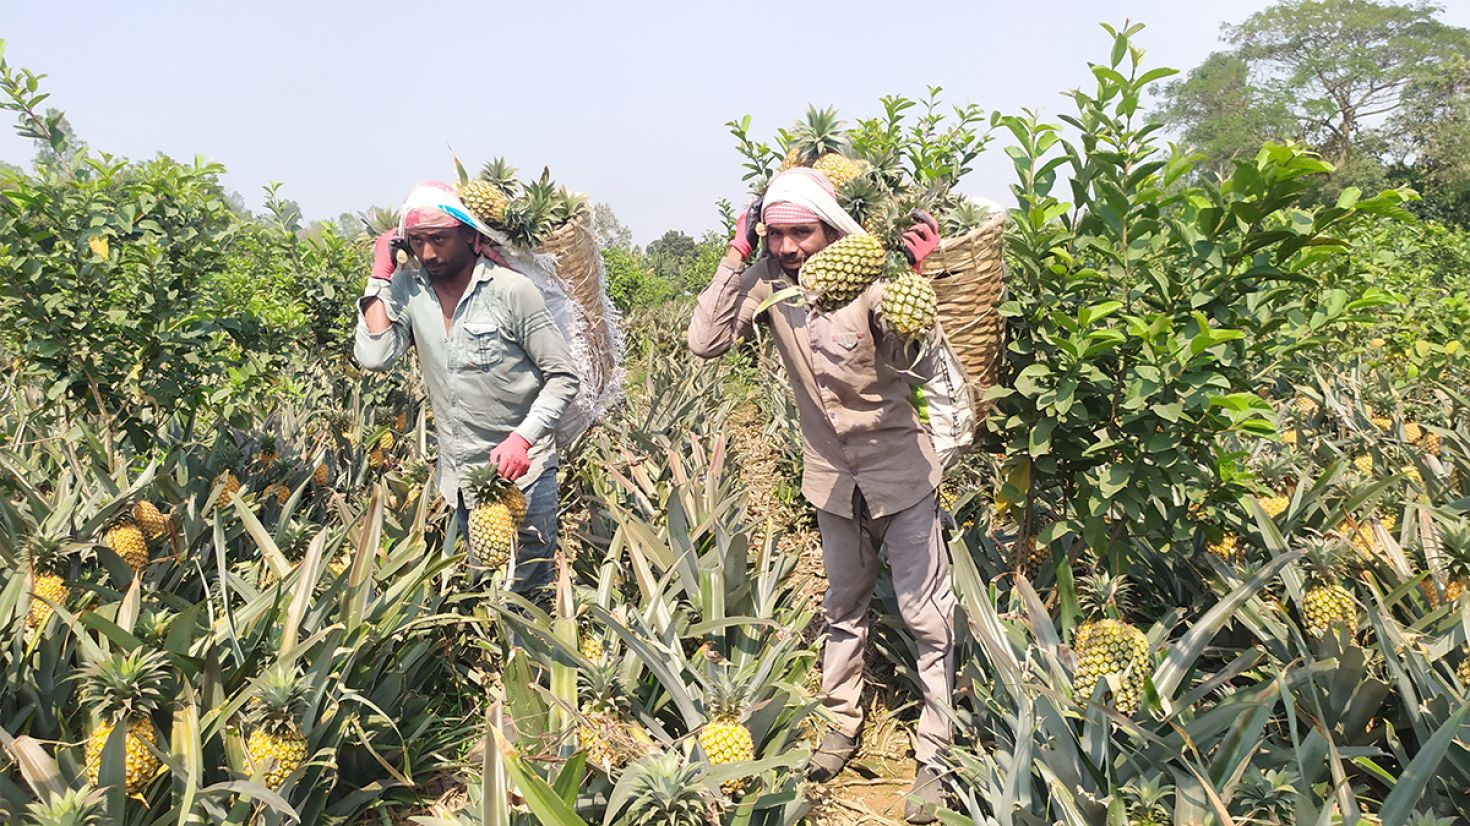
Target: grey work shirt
(502, 367)
(853, 381)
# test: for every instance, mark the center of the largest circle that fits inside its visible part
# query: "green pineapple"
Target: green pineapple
(1107, 646)
(910, 306)
(605, 733)
(276, 747)
(125, 690)
(1327, 603)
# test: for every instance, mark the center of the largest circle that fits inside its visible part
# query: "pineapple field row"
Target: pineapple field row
(1210, 550)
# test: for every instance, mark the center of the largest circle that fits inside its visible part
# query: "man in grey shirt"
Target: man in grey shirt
(498, 371)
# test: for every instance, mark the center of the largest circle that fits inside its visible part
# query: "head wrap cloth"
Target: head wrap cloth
(801, 196)
(434, 204)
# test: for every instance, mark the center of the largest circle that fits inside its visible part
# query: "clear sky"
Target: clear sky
(350, 104)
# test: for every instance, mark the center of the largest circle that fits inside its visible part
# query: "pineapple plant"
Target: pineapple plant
(665, 790)
(48, 582)
(276, 747)
(724, 738)
(1106, 645)
(609, 741)
(1278, 474)
(126, 540)
(821, 143)
(496, 517)
(124, 690)
(1327, 603)
(1455, 540)
(910, 306)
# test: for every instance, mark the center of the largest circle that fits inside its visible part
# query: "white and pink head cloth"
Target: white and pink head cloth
(435, 204)
(801, 196)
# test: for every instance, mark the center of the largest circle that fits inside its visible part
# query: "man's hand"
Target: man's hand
(920, 239)
(745, 239)
(384, 255)
(510, 457)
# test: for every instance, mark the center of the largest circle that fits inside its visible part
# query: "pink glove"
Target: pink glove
(744, 240)
(384, 256)
(921, 239)
(510, 457)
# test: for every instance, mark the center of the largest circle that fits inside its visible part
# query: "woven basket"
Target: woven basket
(579, 264)
(969, 277)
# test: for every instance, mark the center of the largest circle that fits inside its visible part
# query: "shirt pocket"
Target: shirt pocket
(846, 344)
(483, 344)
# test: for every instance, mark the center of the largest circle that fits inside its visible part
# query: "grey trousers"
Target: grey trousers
(920, 564)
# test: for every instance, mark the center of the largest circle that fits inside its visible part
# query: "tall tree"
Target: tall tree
(610, 232)
(1340, 75)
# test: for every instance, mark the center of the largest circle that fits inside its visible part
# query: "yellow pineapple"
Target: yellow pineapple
(844, 269)
(228, 485)
(1463, 672)
(124, 690)
(1413, 433)
(1274, 505)
(792, 158)
(1305, 406)
(725, 739)
(910, 306)
(150, 519)
(610, 741)
(590, 646)
(276, 746)
(1288, 437)
(1431, 444)
(495, 518)
(1455, 540)
(820, 139)
(1226, 549)
(486, 201)
(1029, 556)
(1106, 646)
(1327, 603)
(1382, 422)
(1364, 463)
(839, 168)
(126, 540)
(47, 560)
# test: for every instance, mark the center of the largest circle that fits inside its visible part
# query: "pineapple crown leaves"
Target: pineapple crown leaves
(668, 789)
(126, 686)
(531, 215)
(1455, 541)
(819, 133)
(278, 704)
(73, 807)
(502, 175)
(1105, 595)
(486, 484)
(605, 686)
(46, 553)
(1327, 557)
(726, 689)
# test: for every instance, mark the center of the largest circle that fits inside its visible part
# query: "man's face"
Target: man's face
(444, 251)
(793, 244)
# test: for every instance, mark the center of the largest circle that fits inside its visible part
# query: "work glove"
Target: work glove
(511, 458)
(745, 235)
(385, 252)
(920, 239)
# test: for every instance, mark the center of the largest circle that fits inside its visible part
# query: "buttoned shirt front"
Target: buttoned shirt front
(853, 382)
(502, 366)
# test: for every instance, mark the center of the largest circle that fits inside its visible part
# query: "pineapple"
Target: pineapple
(665, 790)
(400, 422)
(1456, 544)
(319, 475)
(530, 216)
(227, 483)
(1028, 556)
(1360, 536)
(1107, 646)
(910, 306)
(1305, 406)
(124, 690)
(268, 451)
(1274, 505)
(591, 647)
(1278, 474)
(1413, 433)
(276, 747)
(1364, 463)
(1288, 437)
(1226, 549)
(484, 200)
(47, 582)
(496, 517)
(126, 540)
(725, 739)
(150, 519)
(1383, 423)
(844, 269)
(1463, 672)
(840, 169)
(1431, 444)
(1327, 602)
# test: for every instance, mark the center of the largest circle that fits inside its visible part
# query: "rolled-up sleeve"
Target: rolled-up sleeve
(548, 350)
(725, 311)
(378, 351)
